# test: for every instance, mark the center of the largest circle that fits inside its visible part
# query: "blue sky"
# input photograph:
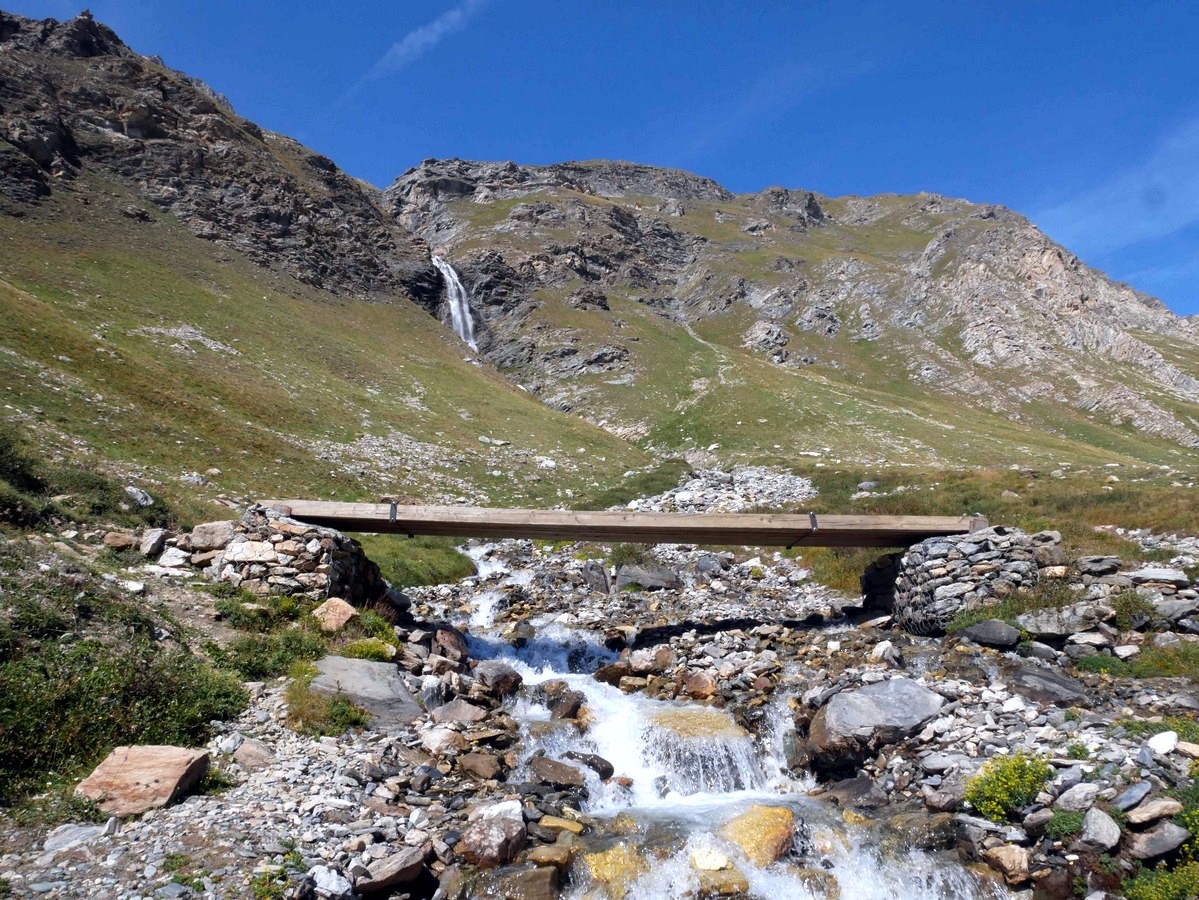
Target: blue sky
(1083, 116)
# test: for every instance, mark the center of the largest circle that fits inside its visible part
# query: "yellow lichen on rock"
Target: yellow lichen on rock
(613, 871)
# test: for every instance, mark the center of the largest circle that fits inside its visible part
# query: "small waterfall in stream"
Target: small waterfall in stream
(459, 300)
(684, 769)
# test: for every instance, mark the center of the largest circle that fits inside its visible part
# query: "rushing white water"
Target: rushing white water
(459, 300)
(683, 770)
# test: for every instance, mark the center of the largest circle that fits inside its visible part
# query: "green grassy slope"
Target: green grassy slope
(286, 389)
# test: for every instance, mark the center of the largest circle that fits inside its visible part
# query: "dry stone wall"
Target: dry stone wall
(936, 579)
(265, 552)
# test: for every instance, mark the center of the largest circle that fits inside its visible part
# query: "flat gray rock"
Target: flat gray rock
(1045, 686)
(1164, 838)
(376, 687)
(1160, 575)
(649, 576)
(992, 633)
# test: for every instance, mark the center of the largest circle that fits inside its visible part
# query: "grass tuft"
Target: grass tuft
(317, 714)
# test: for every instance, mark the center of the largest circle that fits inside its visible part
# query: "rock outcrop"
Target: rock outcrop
(76, 101)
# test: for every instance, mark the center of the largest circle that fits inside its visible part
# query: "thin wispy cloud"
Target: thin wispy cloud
(419, 41)
(1152, 200)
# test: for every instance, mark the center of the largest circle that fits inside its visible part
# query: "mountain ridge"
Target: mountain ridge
(653, 304)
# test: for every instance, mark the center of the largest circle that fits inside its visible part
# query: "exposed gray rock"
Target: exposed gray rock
(1044, 686)
(1099, 832)
(648, 576)
(398, 868)
(992, 633)
(1097, 565)
(376, 687)
(1165, 837)
(855, 723)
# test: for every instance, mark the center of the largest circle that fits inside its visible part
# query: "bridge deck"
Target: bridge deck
(749, 529)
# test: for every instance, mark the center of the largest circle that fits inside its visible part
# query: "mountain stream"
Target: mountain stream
(683, 771)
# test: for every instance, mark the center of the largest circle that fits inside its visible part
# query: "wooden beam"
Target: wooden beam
(749, 529)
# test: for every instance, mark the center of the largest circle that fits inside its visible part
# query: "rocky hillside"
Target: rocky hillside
(73, 97)
(186, 293)
(631, 294)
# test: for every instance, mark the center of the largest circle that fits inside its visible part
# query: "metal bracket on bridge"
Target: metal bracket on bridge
(392, 515)
(815, 527)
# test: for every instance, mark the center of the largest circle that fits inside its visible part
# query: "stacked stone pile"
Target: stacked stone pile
(265, 552)
(936, 579)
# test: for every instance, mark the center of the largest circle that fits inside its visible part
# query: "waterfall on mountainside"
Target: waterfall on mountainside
(460, 319)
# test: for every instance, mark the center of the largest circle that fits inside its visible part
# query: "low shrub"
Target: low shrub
(1131, 608)
(368, 648)
(628, 555)
(317, 714)
(257, 656)
(1185, 727)
(1063, 825)
(63, 707)
(840, 568)
(1006, 785)
(407, 562)
(1162, 884)
(248, 612)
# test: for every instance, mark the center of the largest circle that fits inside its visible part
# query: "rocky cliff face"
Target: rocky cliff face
(938, 297)
(77, 102)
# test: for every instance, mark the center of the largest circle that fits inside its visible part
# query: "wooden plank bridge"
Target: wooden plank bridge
(745, 529)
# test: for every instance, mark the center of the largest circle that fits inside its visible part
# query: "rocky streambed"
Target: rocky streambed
(692, 724)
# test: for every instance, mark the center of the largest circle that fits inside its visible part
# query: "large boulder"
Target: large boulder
(132, 780)
(494, 841)
(210, 536)
(647, 576)
(376, 687)
(854, 724)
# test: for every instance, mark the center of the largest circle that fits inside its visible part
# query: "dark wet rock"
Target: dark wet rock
(1044, 686)
(499, 678)
(922, 830)
(597, 764)
(558, 774)
(533, 883)
(992, 633)
(859, 793)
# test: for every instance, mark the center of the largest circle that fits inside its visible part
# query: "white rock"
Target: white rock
(174, 558)
(1163, 743)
